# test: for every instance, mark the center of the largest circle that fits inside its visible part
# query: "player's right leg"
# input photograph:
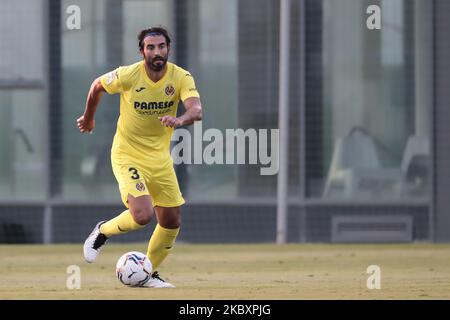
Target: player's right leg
(136, 197)
(94, 242)
(138, 215)
(123, 223)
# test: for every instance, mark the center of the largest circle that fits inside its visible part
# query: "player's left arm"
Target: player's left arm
(193, 113)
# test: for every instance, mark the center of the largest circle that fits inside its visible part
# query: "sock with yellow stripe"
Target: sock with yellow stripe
(161, 244)
(123, 223)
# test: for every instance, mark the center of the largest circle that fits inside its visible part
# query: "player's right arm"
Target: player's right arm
(111, 83)
(86, 122)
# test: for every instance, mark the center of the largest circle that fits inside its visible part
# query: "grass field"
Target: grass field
(254, 271)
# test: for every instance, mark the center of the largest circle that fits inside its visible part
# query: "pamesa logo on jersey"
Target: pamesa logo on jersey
(153, 107)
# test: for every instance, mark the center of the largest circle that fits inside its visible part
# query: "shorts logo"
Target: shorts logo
(170, 90)
(140, 186)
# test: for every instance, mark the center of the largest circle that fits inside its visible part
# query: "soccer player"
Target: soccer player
(150, 91)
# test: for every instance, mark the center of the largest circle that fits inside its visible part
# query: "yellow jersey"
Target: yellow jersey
(139, 134)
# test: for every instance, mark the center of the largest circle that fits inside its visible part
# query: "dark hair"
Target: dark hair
(153, 31)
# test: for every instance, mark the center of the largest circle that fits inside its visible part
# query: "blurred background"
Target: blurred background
(368, 109)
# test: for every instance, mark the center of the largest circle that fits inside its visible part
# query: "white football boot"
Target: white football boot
(94, 243)
(156, 282)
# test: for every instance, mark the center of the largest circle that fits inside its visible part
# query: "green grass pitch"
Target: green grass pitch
(244, 271)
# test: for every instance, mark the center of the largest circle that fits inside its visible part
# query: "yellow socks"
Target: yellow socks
(123, 223)
(161, 244)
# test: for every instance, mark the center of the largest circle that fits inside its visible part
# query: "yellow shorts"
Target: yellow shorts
(135, 179)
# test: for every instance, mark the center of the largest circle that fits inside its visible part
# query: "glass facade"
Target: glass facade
(367, 110)
(375, 134)
(366, 118)
(87, 170)
(213, 60)
(86, 166)
(108, 38)
(22, 101)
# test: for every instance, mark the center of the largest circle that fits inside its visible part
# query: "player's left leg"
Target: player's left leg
(167, 200)
(162, 241)
(164, 235)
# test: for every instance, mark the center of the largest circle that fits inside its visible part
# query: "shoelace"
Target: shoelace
(156, 275)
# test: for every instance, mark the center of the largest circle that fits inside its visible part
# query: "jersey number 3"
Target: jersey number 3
(135, 174)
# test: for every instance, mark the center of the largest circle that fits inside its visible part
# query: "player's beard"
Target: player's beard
(156, 64)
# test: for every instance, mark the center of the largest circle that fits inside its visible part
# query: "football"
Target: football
(133, 269)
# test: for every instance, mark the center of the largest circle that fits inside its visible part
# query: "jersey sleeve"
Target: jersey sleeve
(188, 89)
(112, 81)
